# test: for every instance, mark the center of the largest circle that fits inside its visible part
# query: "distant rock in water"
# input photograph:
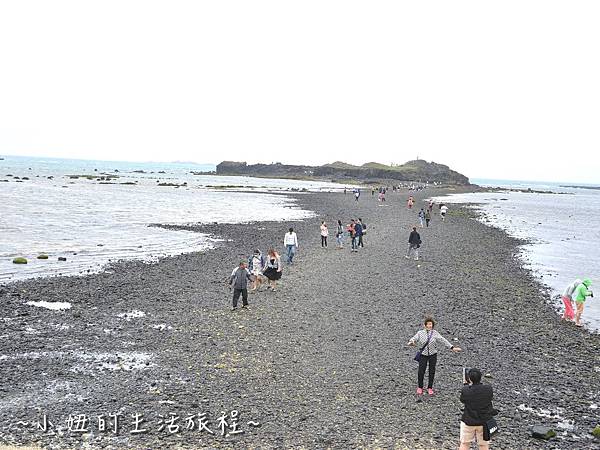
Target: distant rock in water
(417, 170)
(20, 260)
(42, 256)
(580, 187)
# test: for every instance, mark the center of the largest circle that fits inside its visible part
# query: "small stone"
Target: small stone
(42, 256)
(596, 432)
(62, 258)
(20, 260)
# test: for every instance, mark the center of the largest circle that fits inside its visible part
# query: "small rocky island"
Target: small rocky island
(412, 171)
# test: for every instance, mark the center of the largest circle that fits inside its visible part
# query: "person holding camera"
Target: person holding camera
(428, 341)
(474, 424)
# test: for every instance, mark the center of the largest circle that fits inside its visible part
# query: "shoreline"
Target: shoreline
(319, 363)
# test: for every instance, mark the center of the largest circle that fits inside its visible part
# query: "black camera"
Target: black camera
(466, 379)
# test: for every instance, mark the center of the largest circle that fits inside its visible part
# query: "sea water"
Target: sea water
(91, 222)
(562, 229)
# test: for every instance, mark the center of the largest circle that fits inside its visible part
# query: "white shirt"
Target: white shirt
(256, 265)
(324, 231)
(571, 288)
(290, 239)
(444, 209)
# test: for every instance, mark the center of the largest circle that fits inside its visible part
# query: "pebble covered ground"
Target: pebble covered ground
(322, 362)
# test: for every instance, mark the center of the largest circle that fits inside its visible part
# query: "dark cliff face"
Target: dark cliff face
(418, 170)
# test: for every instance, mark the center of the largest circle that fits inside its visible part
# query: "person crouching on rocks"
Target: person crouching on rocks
(567, 298)
(581, 293)
(239, 282)
(477, 399)
(272, 269)
(428, 340)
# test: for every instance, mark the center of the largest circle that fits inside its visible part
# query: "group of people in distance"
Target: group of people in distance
(477, 422)
(260, 268)
(356, 230)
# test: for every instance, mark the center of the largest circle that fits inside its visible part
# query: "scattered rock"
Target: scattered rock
(42, 256)
(596, 432)
(543, 432)
(62, 258)
(20, 260)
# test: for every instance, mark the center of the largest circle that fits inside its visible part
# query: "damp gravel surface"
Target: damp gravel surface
(321, 362)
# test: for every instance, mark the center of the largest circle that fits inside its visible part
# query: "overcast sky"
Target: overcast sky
(493, 89)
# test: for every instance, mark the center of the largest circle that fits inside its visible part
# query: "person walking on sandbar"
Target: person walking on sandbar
(422, 217)
(291, 244)
(324, 234)
(239, 282)
(427, 217)
(414, 242)
(272, 269)
(443, 211)
(339, 235)
(363, 231)
(428, 341)
(352, 233)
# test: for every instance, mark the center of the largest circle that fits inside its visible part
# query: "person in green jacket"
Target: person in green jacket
(581, 293)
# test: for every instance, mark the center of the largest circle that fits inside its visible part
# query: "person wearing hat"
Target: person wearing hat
(581, 293)
(239, 282)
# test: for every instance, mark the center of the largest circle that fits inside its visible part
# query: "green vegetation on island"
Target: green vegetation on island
(371, 172)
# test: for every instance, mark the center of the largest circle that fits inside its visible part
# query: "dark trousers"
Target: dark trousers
(427, 221)
(355, 243)
(360, 241)
(323, 241)
(236, 296)
(432, 360)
